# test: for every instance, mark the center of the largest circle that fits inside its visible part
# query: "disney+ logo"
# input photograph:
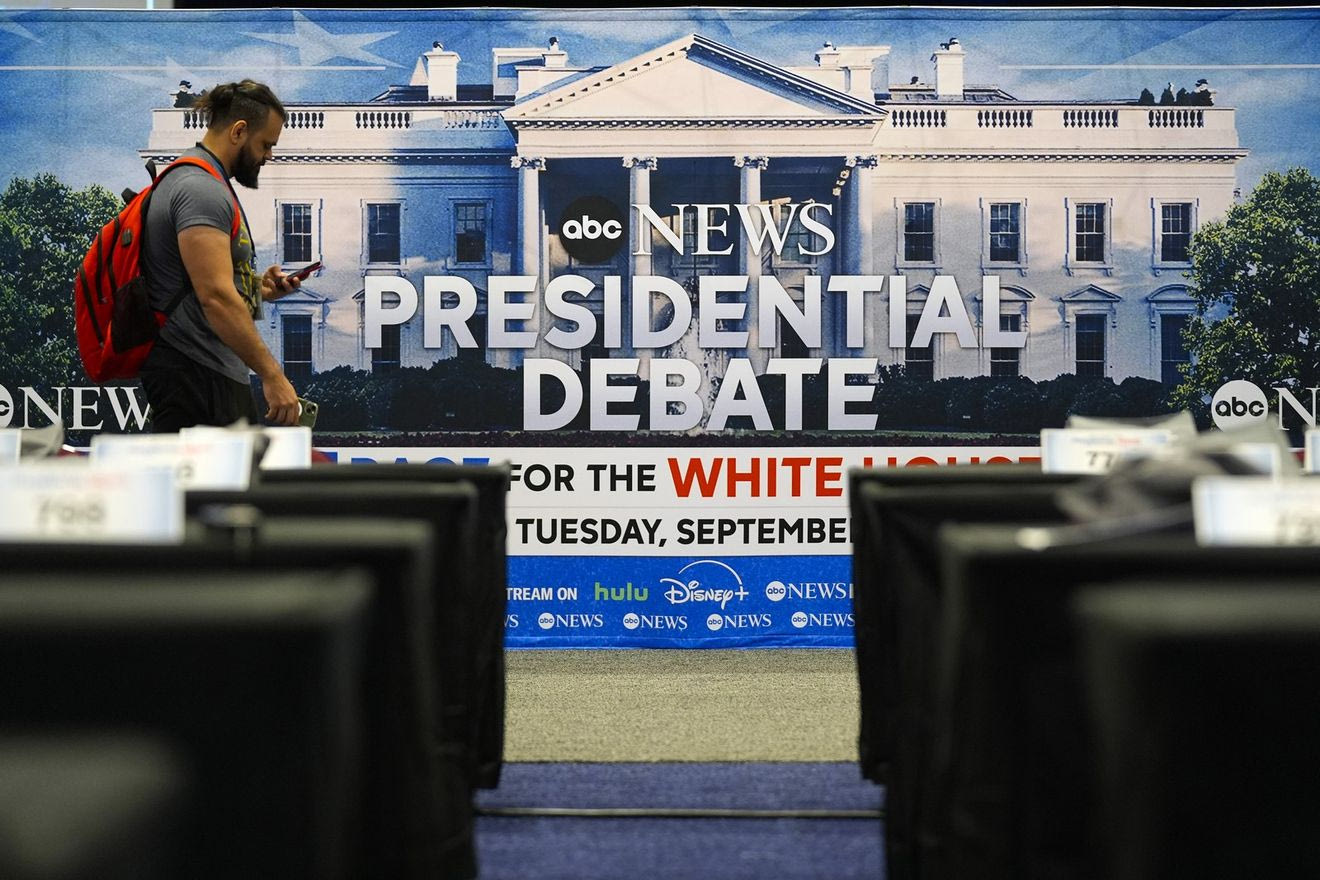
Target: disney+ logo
(706, 580)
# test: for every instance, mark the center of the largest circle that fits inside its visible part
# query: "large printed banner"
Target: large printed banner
(681, 547)
(684, 267)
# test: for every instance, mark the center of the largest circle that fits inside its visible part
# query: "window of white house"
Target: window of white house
(1089, 238)
(1005, 232)
(297, 232)
(470, 232)
(386, 359)
(1173, 351)
(1090, 230)
(798, 240)
(1007, 362)
(296, 331)
(1090, 348)
(919, 363)
(919, 232)
(383, 232)
(1174, 224)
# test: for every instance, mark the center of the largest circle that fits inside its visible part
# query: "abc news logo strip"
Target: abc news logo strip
(745, 601)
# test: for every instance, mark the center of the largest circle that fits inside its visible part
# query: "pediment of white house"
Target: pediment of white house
(1010, 293)
(684, 89)
(303, 296)
(1171, 294)
(1091, 293)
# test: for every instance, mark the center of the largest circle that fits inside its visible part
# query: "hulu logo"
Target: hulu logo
(621, 594)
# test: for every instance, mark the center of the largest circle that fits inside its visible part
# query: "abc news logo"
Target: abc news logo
(1242, 404)
(1239, 404)
(591, 229)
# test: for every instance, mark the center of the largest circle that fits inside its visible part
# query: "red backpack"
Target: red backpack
(112, 312)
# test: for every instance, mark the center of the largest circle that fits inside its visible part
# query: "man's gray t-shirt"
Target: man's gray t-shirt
(190, 197)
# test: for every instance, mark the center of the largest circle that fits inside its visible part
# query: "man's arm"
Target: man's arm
(206, 257)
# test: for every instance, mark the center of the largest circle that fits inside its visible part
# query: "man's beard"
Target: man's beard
(246, 170)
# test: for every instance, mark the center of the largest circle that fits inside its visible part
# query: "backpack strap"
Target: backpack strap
(234, 228)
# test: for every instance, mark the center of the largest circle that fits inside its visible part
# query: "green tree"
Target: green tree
(1256, 280)
(45, 229)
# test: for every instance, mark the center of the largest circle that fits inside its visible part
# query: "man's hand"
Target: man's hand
(275, 284)
(281, 399)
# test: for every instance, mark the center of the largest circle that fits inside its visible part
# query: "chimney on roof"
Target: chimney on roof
(859, 68)
(554, 56)
(828, 56)
(441, 73)
(948, 60)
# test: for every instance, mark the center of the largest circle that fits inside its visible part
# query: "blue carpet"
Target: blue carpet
(748, 786)
(594, 848)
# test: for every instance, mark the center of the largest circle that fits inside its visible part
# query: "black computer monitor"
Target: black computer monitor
(415, 819)
(1010, 774)
(484, 641)
(1205, 702)
(252, 680)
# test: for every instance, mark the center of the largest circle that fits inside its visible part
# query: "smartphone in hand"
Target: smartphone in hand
(306, 271)
(307, 413)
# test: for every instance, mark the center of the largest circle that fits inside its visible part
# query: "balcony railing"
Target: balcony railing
(924, 128)
(1003, 118)
(1178, 117)
(345, 119)
(1071, 127)
(1090, 118)
(923, 118)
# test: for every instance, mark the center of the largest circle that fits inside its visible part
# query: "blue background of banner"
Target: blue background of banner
(819, 588)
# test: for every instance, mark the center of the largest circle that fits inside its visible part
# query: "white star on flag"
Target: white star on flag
(13, 27)
(315, 44)
(169, 79)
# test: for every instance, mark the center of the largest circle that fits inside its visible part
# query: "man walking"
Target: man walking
(197, 372)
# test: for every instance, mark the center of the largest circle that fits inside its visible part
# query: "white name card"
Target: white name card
(207, 460)
(75, 501)
(1095, 450)
(11, 440)
(1256, 511)
(1264, 458)
(288, 449)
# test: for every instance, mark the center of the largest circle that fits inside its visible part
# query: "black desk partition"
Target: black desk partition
(415, 819)
(1011, 771)
(896, 600)
(450, 511)
(1205, 702)
(484, 609)
(250, 683)
(95, 803)
(895, 513)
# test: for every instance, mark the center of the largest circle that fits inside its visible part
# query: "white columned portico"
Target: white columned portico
(639, 193)
(528, 259)
(749, 263)
(859, 216)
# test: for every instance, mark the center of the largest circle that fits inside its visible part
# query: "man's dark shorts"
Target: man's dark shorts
(183, 393)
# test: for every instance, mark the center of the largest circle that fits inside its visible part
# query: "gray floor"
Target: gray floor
(675, 705)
